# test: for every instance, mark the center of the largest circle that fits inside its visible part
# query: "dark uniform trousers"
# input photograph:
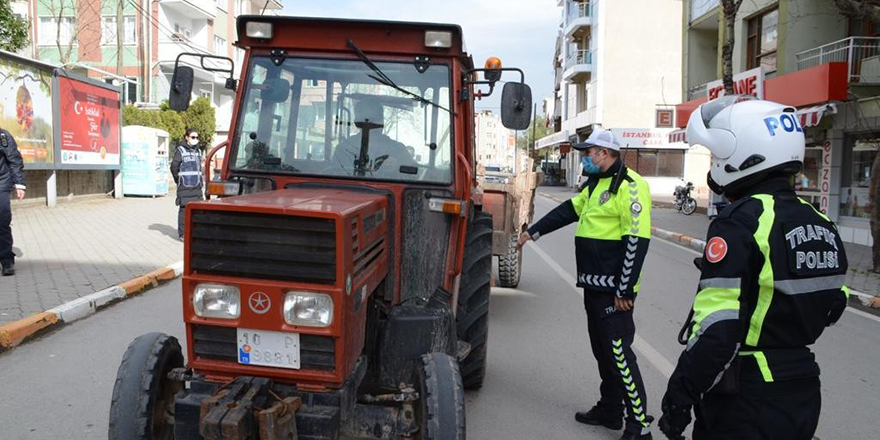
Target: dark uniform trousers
(6, 255)
(611, 337)
(762, 410)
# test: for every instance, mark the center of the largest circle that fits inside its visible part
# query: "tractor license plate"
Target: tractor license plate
(268, 348)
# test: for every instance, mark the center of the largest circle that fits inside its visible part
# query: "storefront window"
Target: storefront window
(654, 163)
(808, 179)
(854, 194)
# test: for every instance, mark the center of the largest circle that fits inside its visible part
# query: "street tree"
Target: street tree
(64, 14)
(729, 8)
(13, 30)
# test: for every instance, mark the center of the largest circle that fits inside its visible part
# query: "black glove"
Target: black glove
(674, 419)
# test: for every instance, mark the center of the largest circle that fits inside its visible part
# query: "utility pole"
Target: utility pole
(534, 124)
(120, 34)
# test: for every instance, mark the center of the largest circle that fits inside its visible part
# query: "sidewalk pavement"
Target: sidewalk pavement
(860, 277)
(69, 252)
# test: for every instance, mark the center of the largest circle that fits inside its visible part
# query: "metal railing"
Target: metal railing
(861, 54)
(579, 10)
(580, 56)
(697, 92)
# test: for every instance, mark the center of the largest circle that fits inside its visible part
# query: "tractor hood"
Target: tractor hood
(320, 201)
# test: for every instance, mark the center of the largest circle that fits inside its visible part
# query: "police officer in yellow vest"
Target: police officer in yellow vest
(613, 211)
(772, 280)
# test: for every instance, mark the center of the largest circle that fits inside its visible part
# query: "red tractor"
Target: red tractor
(338, 286)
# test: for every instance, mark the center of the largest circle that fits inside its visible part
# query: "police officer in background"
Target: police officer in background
(186, 168)
(772, 280)
(613, 212)
(11, 177)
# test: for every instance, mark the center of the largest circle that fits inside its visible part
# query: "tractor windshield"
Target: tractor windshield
(326, 117)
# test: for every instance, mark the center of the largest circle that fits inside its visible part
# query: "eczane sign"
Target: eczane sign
(750, 82)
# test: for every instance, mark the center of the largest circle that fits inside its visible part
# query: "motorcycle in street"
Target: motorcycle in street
(683, 200)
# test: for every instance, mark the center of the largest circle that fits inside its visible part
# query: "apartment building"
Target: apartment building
(806, 54)
(496, 145)
(616, 63)
(81, 34)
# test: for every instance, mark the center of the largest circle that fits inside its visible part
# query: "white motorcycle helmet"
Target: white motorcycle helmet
(749, 138)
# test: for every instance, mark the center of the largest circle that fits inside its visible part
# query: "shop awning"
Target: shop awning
(552, 140)
(810, 116)
(679, 135)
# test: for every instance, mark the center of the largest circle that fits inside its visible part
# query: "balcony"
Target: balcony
(861, 55)
(579, 19)
(193, 9)
(578, 66)
(699, 8)
(170, 48)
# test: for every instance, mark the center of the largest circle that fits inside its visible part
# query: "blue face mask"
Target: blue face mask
(589, 166)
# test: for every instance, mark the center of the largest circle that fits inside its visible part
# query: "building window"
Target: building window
(182, 33)
(857, 178)
(108, 31)
(49, 30)
(761, 42)
(654, 163)
(219, 45)
(205, 93)
(129, 89)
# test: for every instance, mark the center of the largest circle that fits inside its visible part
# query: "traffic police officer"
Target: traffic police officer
(11, 177)
(186, 169)
(613, 211)
(772, 280)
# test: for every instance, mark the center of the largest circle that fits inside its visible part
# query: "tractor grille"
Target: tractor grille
(219, 343)
(265, 246)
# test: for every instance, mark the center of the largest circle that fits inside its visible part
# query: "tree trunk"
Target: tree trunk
(730, 9)
(873, 196)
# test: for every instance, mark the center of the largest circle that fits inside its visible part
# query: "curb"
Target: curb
(14, 333)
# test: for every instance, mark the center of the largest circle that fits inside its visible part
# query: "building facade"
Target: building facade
(496, 145)
(806, 54)
(615, 64)
(79, 33)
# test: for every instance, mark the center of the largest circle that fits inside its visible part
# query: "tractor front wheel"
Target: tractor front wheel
(472, 317)
(440, 409)
(142, 407)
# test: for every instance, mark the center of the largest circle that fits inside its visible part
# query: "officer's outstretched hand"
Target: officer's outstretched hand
(523, 238)
(674, 420)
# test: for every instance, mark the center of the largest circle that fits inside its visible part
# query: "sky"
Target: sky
(520, 32)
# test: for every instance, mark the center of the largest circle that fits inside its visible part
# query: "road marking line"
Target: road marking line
(654, 357)
(848, 309)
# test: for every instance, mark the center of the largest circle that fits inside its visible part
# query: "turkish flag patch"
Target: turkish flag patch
(716, 249)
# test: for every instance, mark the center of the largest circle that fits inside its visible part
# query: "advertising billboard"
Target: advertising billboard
(26, 110)
(89, 121)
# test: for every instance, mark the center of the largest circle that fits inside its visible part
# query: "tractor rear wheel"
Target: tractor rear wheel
(510, 265)
(472, 317)
(440, 409)
(142, 407)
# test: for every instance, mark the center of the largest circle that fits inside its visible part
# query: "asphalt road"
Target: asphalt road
(540, 370)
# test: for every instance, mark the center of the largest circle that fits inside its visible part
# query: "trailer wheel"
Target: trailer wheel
(472, 317)
(142, 407)
(440, 410)
(510, 265)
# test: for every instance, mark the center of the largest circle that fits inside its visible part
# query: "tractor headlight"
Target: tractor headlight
(308, 309)
(257, 29)
(441, 39)
(217, 301)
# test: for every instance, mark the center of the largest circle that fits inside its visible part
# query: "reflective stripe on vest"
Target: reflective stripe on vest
(190, 174)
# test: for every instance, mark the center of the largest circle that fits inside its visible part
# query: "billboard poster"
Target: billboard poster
(26, 110)
(89, 124)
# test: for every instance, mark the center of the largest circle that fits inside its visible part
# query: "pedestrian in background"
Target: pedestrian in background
(186, 168)
(11, 177)
(613, 212)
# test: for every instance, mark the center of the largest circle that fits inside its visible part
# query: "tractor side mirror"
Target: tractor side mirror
(516, 106)
(181, 88)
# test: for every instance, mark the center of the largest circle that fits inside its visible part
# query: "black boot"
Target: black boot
(8, 269)
(599, 417)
